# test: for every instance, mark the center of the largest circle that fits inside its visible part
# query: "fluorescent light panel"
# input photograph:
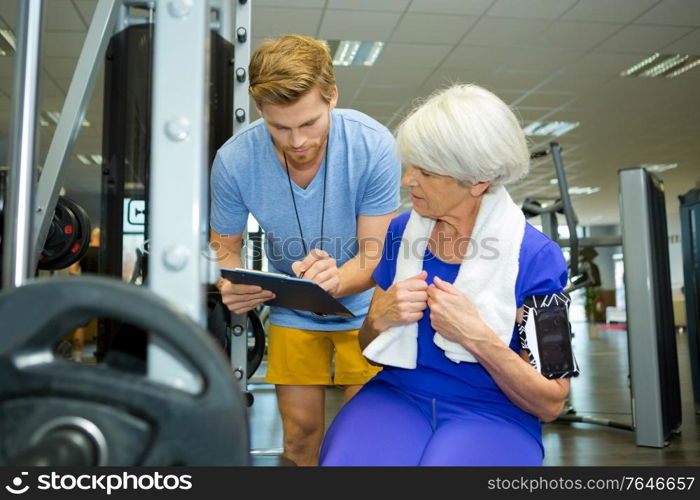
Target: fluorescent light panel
(554, 129)
(659, 167)
(666, 65)
(7, 42)
(354, 52)
(48, 117)
(84, 159)
(90, 159)
(575, 190)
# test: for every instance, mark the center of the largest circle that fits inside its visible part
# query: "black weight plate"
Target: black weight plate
(219, 322)
(256, 331)
(208, 428)
(62, 236)
(82, 232)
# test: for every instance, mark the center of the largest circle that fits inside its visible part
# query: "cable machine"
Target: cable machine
(655, 386)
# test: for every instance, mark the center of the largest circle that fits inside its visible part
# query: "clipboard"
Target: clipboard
(290, 292)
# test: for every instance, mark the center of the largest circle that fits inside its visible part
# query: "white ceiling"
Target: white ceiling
(549, 59)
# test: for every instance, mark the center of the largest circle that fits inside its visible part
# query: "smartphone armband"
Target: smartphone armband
(545, 334)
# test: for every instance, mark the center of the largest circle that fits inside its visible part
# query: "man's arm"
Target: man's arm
(238, 298)
(227, 248)
(356, 274)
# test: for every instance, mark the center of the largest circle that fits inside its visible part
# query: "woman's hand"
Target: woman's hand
(453, 316)
(401, 304)
(456, 319)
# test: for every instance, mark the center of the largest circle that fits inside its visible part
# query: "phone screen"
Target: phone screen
(554, 341)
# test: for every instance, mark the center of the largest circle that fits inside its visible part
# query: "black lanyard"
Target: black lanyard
(294, 201)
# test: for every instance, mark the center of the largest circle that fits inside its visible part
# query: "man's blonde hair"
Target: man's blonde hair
(282, 70)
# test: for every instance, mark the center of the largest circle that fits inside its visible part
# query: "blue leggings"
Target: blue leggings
(383, 425)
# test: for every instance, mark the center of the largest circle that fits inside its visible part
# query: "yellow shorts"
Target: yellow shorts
(303, 357)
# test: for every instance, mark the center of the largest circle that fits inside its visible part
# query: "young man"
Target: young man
(323, 183)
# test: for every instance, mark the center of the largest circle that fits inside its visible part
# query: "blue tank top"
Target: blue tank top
(542, 270)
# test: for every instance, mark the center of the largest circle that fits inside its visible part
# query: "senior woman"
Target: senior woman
(457, 387)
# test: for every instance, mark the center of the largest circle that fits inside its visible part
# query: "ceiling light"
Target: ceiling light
(684, 68)
(7, 42)
(344, 55)
(49, 117)
(84, 159)
(574, 190)
(354, 52)
(555, 129)
(54, 116)
(90, 159)
(640, 65)
(659, 167)
(133, 186)
(373, 53)
(666, 65)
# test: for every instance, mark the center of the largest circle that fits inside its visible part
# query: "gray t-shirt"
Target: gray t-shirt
(363, 179)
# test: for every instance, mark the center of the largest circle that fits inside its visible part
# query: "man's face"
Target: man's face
(300, 129)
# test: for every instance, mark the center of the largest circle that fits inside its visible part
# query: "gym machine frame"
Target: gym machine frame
(182, 262)
(690, 235)
(652, 348)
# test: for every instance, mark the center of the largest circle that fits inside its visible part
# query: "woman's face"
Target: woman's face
(434, 195)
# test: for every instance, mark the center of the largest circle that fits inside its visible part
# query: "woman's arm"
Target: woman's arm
(528, 389)
(458, 320)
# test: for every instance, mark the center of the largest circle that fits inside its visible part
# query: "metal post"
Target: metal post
(242, 38)
(122, 21)
(126, 19)
(77, 99)
(690, 237)
(652, 343)
(241, 117)
(568, 208)
(23, 147)
(225, 22)
(550, 224)
(178, 184)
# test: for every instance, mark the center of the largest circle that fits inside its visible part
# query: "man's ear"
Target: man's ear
(479, 188)
(258, 109)
(334, 98)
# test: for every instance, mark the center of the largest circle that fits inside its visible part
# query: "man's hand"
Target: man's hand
(320, 268)
(242, 298)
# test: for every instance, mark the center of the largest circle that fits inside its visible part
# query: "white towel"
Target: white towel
(486, 277)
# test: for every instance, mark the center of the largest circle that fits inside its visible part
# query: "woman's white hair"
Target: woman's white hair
(467, 133)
